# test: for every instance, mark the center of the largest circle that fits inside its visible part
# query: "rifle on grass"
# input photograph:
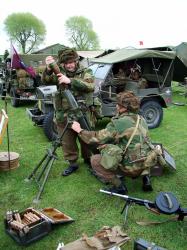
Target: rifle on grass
(165, 203)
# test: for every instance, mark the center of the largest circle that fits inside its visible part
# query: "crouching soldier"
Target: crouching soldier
(124, 146)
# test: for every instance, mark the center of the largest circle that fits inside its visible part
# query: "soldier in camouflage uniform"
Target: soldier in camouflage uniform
(136, 76)
(81, 83)
(129, 132)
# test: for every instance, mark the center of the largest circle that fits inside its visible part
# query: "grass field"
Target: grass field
(78, 195)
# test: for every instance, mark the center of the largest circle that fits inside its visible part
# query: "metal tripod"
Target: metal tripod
(45, 165)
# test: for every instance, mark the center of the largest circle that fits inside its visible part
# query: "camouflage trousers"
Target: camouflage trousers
(111, 175)
(104, 174)
(70, 144)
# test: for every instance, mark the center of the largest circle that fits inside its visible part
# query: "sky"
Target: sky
(118, 23)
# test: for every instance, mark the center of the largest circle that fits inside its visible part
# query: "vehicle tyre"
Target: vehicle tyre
(50, 127)
(152, 112)
(14, 98)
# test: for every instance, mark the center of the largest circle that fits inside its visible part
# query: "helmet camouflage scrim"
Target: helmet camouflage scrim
(67, 54)
(128, 100)
(135, 68)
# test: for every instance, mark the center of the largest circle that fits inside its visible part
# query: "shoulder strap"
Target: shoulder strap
(133, 134)
(151, 146)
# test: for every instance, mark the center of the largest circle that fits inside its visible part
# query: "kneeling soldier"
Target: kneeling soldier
(124, 145)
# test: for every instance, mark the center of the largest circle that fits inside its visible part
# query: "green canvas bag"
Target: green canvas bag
(111, 156)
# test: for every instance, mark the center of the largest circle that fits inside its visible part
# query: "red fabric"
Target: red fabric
(17, 63)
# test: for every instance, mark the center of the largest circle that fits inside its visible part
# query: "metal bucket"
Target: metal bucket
(5, 165)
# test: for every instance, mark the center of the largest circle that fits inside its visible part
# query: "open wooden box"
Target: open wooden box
(39, 228)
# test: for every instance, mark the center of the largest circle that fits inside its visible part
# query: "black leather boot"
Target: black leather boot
(87, 161)
(122, 189)
(72, 168)
(147, 183)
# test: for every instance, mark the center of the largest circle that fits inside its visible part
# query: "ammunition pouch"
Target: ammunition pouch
(111, 156)
(59, 102)
(82, 105)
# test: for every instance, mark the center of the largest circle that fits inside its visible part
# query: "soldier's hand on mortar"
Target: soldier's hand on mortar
(76, 127)
(62, 79)
(48, 61)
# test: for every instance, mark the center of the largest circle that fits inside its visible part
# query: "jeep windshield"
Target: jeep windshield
(100, 71)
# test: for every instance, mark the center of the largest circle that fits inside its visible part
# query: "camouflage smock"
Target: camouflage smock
(82, 87)
(119, 131)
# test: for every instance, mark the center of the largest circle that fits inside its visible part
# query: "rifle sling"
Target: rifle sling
(149, 223)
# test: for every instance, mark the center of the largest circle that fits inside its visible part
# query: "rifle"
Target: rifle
(165, 203)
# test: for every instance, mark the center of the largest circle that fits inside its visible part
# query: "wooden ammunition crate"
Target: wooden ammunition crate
(37, 229)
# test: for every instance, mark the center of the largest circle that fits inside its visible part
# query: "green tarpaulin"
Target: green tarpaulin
(180, 63)
(178, 53)
(131, 54)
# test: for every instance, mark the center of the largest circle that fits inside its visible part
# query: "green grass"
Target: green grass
(78, 195)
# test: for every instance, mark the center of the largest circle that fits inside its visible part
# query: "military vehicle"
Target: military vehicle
(42, 114)
(18, 83)
(156, 68)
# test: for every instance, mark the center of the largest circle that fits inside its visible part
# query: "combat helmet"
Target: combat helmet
(128, 100)
(67, 54)
(135, 68)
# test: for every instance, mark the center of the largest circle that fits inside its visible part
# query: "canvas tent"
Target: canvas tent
(180, 63)
(86, 56)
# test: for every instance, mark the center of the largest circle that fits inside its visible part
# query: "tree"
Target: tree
(26, 30)
(80, 33)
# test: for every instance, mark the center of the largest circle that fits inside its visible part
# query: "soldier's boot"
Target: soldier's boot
(118, 185)
(72, 168)
(87, 161)
(104, 181)
(121, 189)
(146, 183)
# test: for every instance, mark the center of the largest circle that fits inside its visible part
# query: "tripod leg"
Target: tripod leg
(50, 155)
(48, 159)
(44, 180)
(37, 167)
